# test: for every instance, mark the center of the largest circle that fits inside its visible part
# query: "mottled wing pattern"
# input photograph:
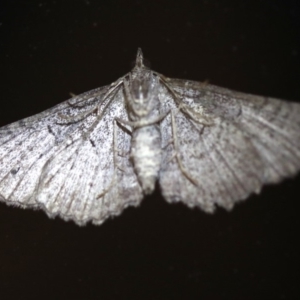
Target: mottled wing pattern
(71, 160)
(225, 145)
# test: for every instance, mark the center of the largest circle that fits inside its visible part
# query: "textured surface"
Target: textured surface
(93, 155)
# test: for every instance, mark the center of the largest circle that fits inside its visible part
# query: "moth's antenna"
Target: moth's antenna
(139, 59)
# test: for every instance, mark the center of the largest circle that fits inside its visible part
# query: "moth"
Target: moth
(93, 155)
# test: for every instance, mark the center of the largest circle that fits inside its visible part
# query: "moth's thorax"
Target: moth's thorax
(142, 94)
(146, 155)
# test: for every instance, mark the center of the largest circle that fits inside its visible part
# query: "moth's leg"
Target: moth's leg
(169, 142)
(172, 158)
(99, 116)
(113, 89)
(125, 125)
(77, 118)
(201, 117)
(127, 129)
(76, 105)
(81, 116)
(113, 178)
(94, 109)
(176, 154)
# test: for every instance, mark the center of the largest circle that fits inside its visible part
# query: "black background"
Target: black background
(157, 251)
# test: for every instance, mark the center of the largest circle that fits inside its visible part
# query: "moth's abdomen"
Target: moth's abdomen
(146, 155)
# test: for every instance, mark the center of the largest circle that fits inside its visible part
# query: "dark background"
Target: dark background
(157, 251)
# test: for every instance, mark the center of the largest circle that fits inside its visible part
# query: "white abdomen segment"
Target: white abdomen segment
(146, 155)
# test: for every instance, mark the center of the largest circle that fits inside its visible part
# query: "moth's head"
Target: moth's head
(140, 62)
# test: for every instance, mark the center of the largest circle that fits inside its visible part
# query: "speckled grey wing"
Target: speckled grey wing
(66, 160)
(229, 144)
